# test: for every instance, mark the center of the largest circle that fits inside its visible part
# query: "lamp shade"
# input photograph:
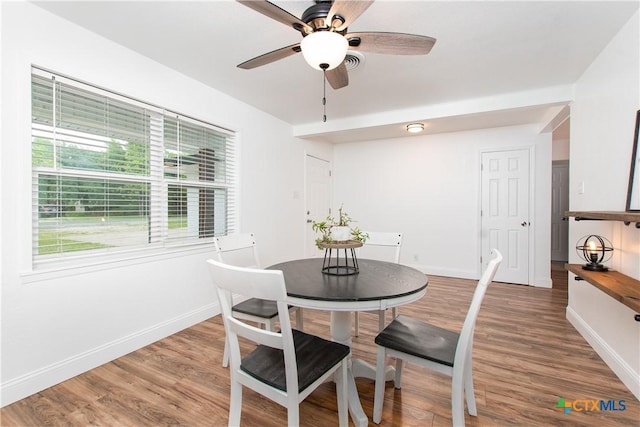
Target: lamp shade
(324, 47)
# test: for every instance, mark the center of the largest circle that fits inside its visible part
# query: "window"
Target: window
(195, 164)
(111, 173)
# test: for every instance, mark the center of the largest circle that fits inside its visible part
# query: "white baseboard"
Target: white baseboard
(542, 282)
(33, 382)
(466, 274)
(431, 270)
(627, 375)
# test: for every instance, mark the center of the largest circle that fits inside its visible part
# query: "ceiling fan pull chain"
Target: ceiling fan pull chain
(324, 93)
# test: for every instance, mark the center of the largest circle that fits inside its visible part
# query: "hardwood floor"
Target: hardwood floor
(526, 356)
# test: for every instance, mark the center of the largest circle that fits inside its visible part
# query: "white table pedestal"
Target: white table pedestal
(358, 368)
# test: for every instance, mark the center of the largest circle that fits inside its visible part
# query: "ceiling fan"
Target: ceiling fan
(325, 38)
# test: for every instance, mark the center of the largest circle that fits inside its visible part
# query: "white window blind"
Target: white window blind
(199, 171)
(111, 173)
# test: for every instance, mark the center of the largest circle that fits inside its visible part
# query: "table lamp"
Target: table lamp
(594, 249)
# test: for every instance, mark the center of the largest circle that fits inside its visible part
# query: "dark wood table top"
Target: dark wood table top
(377, 281)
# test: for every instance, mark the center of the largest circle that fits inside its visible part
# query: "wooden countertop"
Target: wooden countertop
(615, 284)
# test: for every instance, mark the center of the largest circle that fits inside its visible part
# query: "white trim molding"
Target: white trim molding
(618, 365)
(35, 381)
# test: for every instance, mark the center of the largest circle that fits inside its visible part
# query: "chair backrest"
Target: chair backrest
(465, 342)
(254, 283)
(237, 249)
(382, 246)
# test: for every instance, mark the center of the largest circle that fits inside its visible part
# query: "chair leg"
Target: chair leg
(382, 317)
(225, 354)
(235, 404)
(470, 396)
(394, 312)
(469, 391)
(299, 319)
(397, 382)
(293, 413)
(357, 324)
(342, 394)
(457, 399)
(269, 324)
(378, 400)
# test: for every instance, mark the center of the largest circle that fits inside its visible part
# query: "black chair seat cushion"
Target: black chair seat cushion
(258, 307)
(314, 356)
(420, 339)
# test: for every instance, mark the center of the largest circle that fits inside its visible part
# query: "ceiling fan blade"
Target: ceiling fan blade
(270, 57)
(275, 12)
(391, 43)
(349, 10)
(338, 77)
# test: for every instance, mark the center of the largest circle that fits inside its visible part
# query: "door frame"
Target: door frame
(532, 221)
(562, 163)
(307, 243)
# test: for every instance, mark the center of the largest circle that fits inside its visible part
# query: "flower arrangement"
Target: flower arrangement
(337, 230)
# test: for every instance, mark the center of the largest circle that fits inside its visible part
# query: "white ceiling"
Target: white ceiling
(483, 49)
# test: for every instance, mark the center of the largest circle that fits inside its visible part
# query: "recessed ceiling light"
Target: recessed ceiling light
(415, 127)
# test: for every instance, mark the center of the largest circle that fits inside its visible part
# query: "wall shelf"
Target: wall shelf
(615, 284)
(626, 217)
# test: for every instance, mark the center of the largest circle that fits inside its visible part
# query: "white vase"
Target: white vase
(340, 233)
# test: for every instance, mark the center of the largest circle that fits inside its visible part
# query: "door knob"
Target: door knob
(523, 223)
(309, 221)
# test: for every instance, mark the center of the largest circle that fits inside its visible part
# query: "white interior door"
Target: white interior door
(505, 212)
(317, 197)
(559, 205)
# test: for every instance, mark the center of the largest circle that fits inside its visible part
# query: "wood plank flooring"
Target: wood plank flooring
(526, 356)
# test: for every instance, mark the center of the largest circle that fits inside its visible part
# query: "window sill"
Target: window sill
(66, 268)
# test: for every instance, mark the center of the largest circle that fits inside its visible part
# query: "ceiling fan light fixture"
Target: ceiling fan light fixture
(415, 127)
(324, 47)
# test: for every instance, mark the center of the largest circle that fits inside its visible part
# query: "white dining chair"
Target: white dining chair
(381, 246)
(241, 250)
(286, 366)
(436, 348)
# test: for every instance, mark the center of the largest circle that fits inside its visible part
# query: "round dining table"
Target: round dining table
(377, 286)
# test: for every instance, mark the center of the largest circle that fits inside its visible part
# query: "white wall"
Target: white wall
(607, 97)
(56, 325)
(560, 140)
(428, 188)
(560, 149)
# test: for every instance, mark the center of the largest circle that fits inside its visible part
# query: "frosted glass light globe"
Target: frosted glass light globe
(324, 47)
